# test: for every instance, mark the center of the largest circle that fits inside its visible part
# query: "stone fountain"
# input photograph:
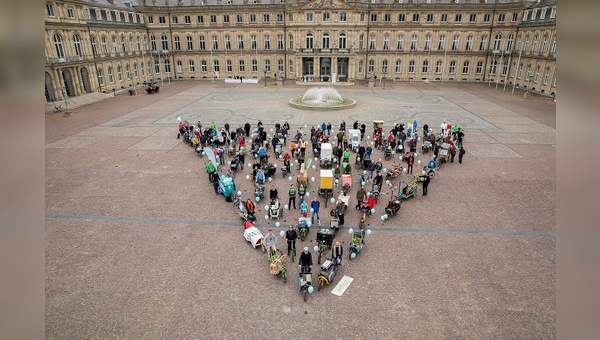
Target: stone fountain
(322, 98)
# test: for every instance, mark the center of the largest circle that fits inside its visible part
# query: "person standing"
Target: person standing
(340, 138)
(461, 153)
(214, 179)
(301, 193)
(323, 127)
(411, 161)
(363, 128)
(292, 199)
(315, 205)
(360, 196)
(305, 261)
(425, 129)
(337, 252)
(452, 152)
(273, 195)
(426, 180)
(340, 211)
(328, 129)
(291, 237)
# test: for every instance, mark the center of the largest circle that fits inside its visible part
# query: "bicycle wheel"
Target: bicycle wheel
(303, 233)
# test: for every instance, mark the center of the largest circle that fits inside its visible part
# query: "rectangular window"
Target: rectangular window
(372, 42)
(215, 43)
(371, 66)
(290, 17)
(472, 18)
(200, 19)
(240, 40)
(458, 18)
(343, 17)
(100, 77)
(192, 66)
(309, 17)
(179, 66)
(227, 42)
(553, 49)
(291, 66)
(267, 42)
(442, 43)
(189, 43)
(465, 69)
(226, 18)
(398, 66)
(177, 44)
(253, 18)
(452, 68)
(401, 17)
(94, 47)
(411, 66)
(384, 67)
(487, 18)
(429, 18)
(213, 19)
(373, 17)
(479, 69)
(387, 17)
(326, 16)
(553, 13)
(413, 43)
(501, 17)
(515, 17)
(202, 43)
(525, 15)
(174, 19)
(455, 41)
(427, 43)
(362, 17)
(438, 67)
(253, 42)
(162, 20)
(229, 66)
(279, 17)
(415, 17)
(266, 18)
(546, 76)
(444, 18)
(50, 9)
(239, 19)
(425, 66)
(280, 42)
(254, 65)
(150, 19)
(70, 12)
(187, 19)
(268, 65)
(242, 66)
(203, 66)
(280, 65)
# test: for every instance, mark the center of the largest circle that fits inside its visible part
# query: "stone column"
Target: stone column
(317, 68)
(57, 80)
(334, 70)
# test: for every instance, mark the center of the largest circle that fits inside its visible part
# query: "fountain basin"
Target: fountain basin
(322, 99)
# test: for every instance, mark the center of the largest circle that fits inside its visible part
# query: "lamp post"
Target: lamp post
(265, 76)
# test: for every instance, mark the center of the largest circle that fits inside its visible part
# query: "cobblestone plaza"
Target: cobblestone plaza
(139, 246)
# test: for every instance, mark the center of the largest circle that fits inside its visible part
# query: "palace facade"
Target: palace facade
(111, 45)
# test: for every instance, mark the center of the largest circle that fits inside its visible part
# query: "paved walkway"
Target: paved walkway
(139, 246)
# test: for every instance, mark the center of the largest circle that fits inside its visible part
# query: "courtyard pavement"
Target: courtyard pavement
(139, 246)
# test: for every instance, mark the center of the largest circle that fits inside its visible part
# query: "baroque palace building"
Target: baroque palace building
(111, 45)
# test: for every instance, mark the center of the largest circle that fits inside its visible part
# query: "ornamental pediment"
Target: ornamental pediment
(326, 4)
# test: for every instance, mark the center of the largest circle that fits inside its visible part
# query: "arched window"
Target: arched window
(442, 43)
(325, 41)
(399, 66)
(455, 42)
(497, 42)
(413, 42)
(167, 66)
(371, 66)
(372, 42)
(123, 43)
(438, 66)
(131, 47)
(425, 66)
(100, 77)
(342, 41)
(127, 71)
(60, 51)
(114, 44)
(202, 43)
(509, 42)
(119, 73)
(104, 44)
(411, 66)
(165, 42)
(227, 42)
(153, 42)
(428, 42)
(215, 42)
(309, 40)
(111, 79)
(400, 42)
(466, 65)
(386, 42)
(384, 67)
(77, 45)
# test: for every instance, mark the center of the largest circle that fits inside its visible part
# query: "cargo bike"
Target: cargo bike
(326, 184)
(277, 266)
